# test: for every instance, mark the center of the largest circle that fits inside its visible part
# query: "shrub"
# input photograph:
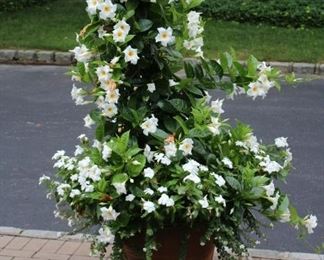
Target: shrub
(295, 13)
(14, 5)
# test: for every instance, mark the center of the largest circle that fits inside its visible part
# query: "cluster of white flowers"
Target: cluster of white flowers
(261, 87)
(195, 29)
(149, 125)
(193, 167)
(105, 236)
(106, 9)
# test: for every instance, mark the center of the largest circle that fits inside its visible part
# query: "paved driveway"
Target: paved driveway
(37, 117)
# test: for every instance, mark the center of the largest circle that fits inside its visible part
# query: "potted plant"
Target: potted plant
(167, 177)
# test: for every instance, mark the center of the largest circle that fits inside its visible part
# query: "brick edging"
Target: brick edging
(261, 254)
(42, 57)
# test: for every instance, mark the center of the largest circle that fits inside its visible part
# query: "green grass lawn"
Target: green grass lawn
(53, 26)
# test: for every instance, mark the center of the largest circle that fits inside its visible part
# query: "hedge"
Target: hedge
(292, 13)
(13, 5)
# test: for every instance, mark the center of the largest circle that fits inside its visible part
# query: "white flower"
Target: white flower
(165, 36)
(148, 191)
(285, 216)
(58, 155)
(227, 162)
(219, 180)
(104, 73)
(109, 213)
(274, 200)
(61, 189)
(270, 189)
(161, 158)
(88, 122)
(289, 157)
(162, 189)
(204, 203)
(172, 83)
(97, 144)
(106, 152)
(74, 193)
(102, 32)
(252, 144)
(214, 126)
(220, 200)
(130, 197)
(193, 177)
(150, 125)
(44, 179)
(105, 236)
(148, 154)
(112, 96)
(123, 25)
(217, 106)
(92, 6)
(170, 150)
(110, 110)
(82, 53)
(120, 188)
(151, 87)
(263, 67)
(270, 166)
(114, 60)
(131, 55)
(107, 10)
(148, 206)
(186, 146)
(119, 35)
(77, 95)
(255, 90)
(281, 142)
(166, 200)
(78, 150)
(148, 173)
(191, 166)
(310, 223)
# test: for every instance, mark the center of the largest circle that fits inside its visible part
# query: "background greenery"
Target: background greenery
(54, 24)
(295, 13)
(13, 5)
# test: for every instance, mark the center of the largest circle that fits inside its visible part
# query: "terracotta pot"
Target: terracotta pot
(169, 243)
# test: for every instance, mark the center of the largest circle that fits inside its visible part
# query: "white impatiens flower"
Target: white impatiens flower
(252, 144)
(120, 188)
(214, 126)
(82, 53)
(148, 173)
(281, 142)
(227, 162)
(162, 158)
(106, 152)
(131, 55)
(166, 200)
(109, 213)
(217, 106)
(151, 87)
(192, 177)
(220, 200)
(149, 206)
(191, 166)
(107, 10)
(165, 36)
(130, 197)
(105, 236)
(149, 125)
(310, 223)
(170, 150)
(219, 179)
(162, 189)
(270, 166)
(119, 35)
(269, 189)
(88, 122)
(186, 146)
(110, 110)
(74, 193)
(204, 203)
(255, 90)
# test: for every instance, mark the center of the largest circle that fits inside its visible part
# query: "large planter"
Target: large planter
(169, 246)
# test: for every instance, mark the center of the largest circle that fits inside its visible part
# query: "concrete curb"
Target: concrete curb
(255, 254)
(41, 57)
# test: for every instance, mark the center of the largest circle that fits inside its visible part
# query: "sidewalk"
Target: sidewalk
(16, 244)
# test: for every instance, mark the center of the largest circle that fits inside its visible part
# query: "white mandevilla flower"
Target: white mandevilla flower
(166, 200)
(270, 166)
(102, 33)
(281, 142)
(78, 150)
(269, 189)
(217, 106)
(227, 162)
(170, 150)
(204, 203)
(109, 213)
(82, 53)
(112, 96)
(219, 179)
(88, 122)
(274, 200)
(220, 200)
(148, 153)
(148, 173)
(92, 6)
(106, 152)
(149, 206)
(77, 95)
(149, 125)
(58, 155)
(310, 223)
(119, 35)
(186, 146)
(110, 110)
(165, 36)
(214, 126)
(123, 25)
(120, 188)
(105, 236)
(162, 189)
(107, 10)
(104, 73)
(131, 55)
(162, 158)
(130, 197)
(151, 87)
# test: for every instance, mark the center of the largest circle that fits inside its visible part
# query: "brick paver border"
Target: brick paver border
(20, 244)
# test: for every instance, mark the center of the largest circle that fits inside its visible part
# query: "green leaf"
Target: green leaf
(199, 132)
(100, 130)
(119, 178)
(189, 69)
(182, 124)
(179, 104)
(129, 14)
(234, 183)
(144, 25)
(252, 65)
(136, 165)
(217, 68)
(101, 185)
(160, 134)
